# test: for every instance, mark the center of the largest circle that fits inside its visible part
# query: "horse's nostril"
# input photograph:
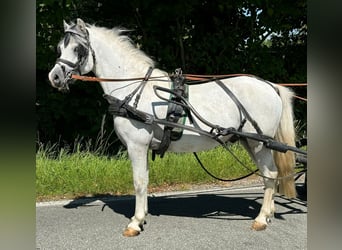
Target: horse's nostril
(56, 79)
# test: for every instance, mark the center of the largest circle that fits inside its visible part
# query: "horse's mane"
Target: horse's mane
(116, 36)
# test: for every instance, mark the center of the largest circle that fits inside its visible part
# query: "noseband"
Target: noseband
(84, 49)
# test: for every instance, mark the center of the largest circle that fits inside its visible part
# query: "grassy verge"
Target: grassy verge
(83, 173)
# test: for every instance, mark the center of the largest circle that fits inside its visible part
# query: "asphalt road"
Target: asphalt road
(208, 219)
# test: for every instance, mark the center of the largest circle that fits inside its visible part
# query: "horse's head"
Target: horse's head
(75, 55)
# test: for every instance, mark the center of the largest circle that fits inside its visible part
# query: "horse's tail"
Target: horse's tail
(286, 134)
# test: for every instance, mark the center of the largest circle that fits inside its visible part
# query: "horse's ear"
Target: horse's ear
(66, 26)
(81, 24)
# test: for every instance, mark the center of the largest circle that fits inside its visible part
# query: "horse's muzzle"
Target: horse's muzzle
(60, 78)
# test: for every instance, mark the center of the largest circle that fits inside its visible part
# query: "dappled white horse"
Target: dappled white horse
(110, 54)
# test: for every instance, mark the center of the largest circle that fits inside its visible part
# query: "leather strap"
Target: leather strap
(240, 106)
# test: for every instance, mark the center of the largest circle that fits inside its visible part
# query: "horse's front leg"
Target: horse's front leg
(138, 155)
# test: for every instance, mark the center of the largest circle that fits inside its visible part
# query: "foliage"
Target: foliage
(265, 38)
(60, 174)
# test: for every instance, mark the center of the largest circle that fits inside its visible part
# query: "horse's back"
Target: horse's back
(258, 97)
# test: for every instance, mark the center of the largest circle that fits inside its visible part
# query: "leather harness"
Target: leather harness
(178, 107)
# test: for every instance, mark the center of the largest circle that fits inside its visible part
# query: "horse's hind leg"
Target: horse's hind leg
(263, 158)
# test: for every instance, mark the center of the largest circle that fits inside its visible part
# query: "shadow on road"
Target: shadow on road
(237, 206)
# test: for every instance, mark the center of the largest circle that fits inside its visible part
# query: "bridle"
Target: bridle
(83, 55)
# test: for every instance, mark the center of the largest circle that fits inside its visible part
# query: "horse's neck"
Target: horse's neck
(115, 61)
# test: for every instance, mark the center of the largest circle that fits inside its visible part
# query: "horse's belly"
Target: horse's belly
(192, 143)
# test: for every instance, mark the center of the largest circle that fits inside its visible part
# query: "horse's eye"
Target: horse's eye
(76, 49)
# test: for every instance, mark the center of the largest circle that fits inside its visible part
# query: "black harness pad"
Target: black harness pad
(176, 113)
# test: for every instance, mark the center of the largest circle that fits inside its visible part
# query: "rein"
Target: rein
(190, 77)
(197, 79)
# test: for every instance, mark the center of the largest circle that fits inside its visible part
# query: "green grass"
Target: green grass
(61, 174)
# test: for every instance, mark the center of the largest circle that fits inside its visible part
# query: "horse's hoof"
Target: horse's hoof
(257, 226)
(130, 232)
